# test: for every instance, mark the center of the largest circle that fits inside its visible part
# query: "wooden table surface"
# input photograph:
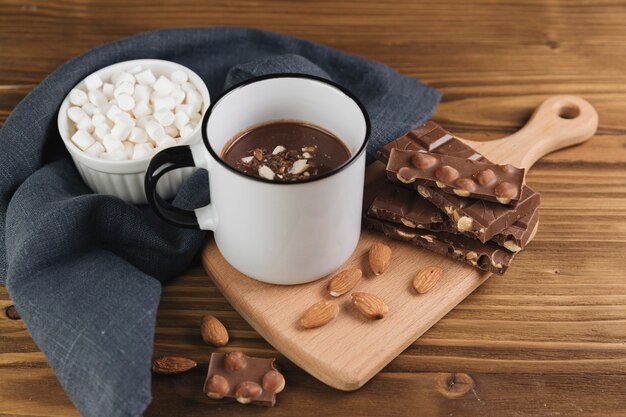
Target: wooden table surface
(548, 338)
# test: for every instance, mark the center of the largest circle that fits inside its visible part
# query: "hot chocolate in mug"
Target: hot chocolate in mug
(277, 232)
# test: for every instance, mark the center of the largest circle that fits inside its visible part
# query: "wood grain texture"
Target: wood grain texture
(549, 338)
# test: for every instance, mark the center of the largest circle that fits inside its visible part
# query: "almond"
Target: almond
(426, 279)
(319, 314)
(213, 331)
(370, 305)
(380, 258)
(344, 281)
(170, 365)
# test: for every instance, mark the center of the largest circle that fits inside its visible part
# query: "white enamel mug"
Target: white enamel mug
(276, 232)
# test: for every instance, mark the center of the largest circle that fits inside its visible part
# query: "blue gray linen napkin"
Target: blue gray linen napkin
(85, 270)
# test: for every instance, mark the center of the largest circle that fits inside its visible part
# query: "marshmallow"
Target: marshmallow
(76, 114)
(89, 108)
(181, 119)
(113, 111)
(95, 150)
(122, 77)
(194, 99)
(98, 119)
(135, 70)
(142, 93)
(163, 86)
(97, 98)
(104, 108)
(93, 82)
(122, 129)
(166, 141)
(101, 131)
(107, 90)
(128, 149)
(78, 97)
(187, 86)
(142, 108)
(155, 130)
(186, 108)
(85, 124)
(83, 139)
(145, 77)
(165, 102)
(164, 116)
(142, 150)
(185, 131)
(178, 95)
(125, 102)
(123, 88)
(171, 131)
(111, 144)
(143, 121)
(138, 135)
(179, 76)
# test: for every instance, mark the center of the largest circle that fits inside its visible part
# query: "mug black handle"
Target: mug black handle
(163, 162)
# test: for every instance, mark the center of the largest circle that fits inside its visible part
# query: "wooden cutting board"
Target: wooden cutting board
(350, 350)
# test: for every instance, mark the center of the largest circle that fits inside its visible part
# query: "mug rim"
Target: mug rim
(353, 158)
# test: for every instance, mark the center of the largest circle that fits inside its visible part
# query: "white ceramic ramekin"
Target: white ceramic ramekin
(125, 179)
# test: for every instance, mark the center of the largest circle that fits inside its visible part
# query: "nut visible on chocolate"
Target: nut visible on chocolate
(486, 177)
(319, 314)
(273, 381)
(426, 279)
(172, 365)
(266, 172)
(446, 173)
(379, 258)
(505, 192)
(369, 305)
(247, 391)
(234, 361)
(213, 331)
(422, 160)
(343, 281)
(216, 387)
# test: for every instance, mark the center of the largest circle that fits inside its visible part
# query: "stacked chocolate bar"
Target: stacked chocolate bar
(444, 196)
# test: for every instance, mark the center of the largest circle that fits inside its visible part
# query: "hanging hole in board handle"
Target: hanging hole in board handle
(569, 111)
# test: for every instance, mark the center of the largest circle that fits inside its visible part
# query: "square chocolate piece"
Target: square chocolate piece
(243, 378)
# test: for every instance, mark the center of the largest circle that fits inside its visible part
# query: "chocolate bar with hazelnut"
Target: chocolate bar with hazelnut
(485, 256)
(483, 219)
(237, 376)
(399, 205)
(463, 177)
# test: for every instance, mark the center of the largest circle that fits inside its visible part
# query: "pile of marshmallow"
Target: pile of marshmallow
(134, 114)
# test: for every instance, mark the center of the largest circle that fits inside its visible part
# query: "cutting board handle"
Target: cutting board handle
(560, 121)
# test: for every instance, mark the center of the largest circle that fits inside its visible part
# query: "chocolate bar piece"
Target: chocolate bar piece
(484, 219)
(400, 205)
(486, 256)
(515, 237)
(406, 207)
(243, 378)
(430, 137)
(460, 176)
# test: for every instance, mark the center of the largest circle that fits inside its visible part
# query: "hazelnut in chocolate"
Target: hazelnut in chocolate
(286, 151)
